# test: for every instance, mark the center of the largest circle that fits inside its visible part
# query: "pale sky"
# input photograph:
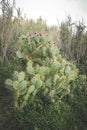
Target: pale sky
(54, 11)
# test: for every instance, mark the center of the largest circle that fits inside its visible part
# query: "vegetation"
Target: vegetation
(43, 73)
(73, 43)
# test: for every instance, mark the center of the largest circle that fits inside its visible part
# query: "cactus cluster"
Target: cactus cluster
(46, 73)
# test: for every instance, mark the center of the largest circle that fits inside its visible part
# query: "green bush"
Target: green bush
(78, 103)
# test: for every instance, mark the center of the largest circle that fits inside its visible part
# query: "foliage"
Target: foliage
(73, 43)
(66, 114)
(78, 102)
(46, 73)
(43, 85)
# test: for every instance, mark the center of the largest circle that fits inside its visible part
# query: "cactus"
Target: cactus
(21, 76)
(46, 73)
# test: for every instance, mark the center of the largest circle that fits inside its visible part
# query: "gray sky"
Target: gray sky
(54, 10)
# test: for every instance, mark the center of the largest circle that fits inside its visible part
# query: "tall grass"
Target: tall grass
(73, 43)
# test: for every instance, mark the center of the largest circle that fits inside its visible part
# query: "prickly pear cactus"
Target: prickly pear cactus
(46, 73)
